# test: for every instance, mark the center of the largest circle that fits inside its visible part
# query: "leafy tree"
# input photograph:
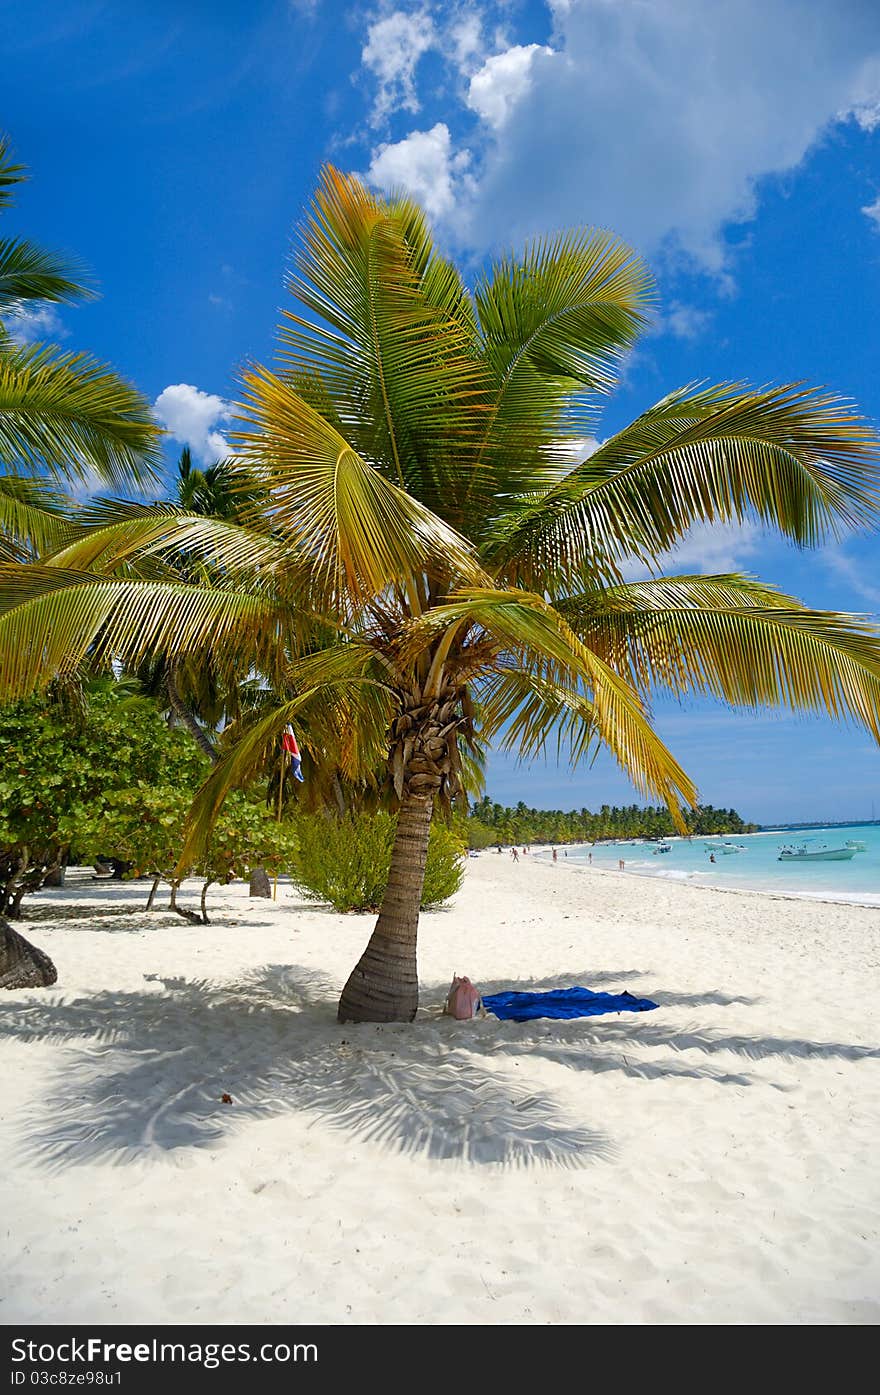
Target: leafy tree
(419, 501)
(246, 836)
(144, 825)
(61, 760)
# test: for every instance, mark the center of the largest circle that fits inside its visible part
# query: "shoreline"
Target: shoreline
(538, 850)
(686, 882)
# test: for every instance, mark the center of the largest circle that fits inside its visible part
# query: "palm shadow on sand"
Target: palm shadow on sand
(148, 1070)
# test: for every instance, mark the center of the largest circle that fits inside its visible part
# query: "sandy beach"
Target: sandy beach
(713, 1161)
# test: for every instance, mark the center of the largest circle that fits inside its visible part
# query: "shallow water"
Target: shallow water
(757, 867)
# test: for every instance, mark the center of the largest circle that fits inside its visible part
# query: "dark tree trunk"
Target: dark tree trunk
(205, 920)
(181, 910)
(22, 965)
(153, 889)
(384, 984)
(13, 890)
(259, 883)
(55, 876)
(184, 716)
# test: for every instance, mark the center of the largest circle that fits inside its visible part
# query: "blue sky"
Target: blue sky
(172, 146)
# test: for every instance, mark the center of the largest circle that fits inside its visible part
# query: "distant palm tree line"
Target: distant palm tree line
(503, 824)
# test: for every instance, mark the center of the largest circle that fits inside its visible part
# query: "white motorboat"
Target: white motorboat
(804, 853)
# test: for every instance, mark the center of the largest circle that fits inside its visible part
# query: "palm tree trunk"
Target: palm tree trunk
(22, 965)
(384, 984)
(183, 714)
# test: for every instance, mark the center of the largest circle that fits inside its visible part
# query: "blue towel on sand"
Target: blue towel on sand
(562, 1002)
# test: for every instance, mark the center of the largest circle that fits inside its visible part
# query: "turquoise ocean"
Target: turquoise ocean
(757, 866)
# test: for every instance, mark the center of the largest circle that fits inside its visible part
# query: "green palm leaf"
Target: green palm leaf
(393, 362)
(360, 532)
(29, 273)
(11, 174)
(737, 640)
(342, 696)
(530, 635)
(50, 619)
(556, 324)
(34, 518)
(799, 460)
(188, 540)
(72, 416)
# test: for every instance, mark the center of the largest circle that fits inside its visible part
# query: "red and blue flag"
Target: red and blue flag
(289, 744)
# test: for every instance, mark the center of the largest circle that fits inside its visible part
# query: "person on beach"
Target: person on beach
(514, 854)
(620, 864)
(554, 854)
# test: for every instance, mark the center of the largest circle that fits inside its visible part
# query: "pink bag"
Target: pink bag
(463, 1001)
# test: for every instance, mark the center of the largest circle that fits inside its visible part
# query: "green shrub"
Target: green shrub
(346, 861)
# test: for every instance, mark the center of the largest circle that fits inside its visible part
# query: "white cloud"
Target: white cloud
(394, 46)
(867, 114)
(707, 549)
(502, 82)
(853, 573)
(657, 120)
(715, 547)
(684, 321)
(577, 448)
(31, 323)
(872, 211)
(192, 417)
(465, 34)
(423, 164)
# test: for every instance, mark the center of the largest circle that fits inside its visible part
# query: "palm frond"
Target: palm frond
(556, 324)
(350, 698)
(72, 416)
(51, 618)
(525, 713)
(11, 174)
(393, 361)
(34, 518)
(736, 639)
(360, 532)
(800, 461)
(27, 272)
(529, 635)
(189, 540)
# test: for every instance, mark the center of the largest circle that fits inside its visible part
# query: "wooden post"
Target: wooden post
(280, 793)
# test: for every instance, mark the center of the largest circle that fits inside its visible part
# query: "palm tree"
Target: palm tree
(64, 417)
(427, 500)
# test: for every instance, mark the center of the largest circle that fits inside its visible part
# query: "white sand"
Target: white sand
(713, 1161)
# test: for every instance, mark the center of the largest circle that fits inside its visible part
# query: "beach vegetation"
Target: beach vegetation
(143, 826)
(64, 755)
(346, 861)
(491, 824)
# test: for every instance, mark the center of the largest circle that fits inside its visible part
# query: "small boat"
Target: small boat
(663, 848)
(823, 854)
(728, 848)
(856, 844)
